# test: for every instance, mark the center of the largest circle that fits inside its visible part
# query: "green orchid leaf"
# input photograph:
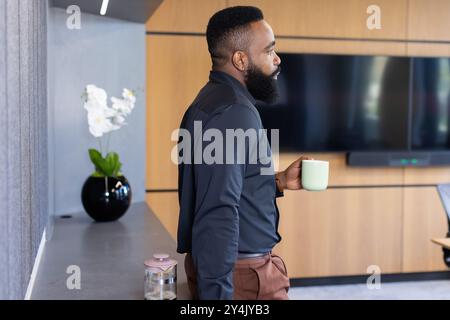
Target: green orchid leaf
(108, 166)
(95, 156)
(116, 164)
(98, 161)
(111, 160)
(117, 169)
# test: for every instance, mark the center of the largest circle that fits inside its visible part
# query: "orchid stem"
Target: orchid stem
(101, 149)
(106, 184)
(107, 142)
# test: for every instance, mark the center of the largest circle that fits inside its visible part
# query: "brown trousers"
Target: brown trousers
(261, 278)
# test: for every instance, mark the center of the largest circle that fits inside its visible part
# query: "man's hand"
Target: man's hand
(291, 178)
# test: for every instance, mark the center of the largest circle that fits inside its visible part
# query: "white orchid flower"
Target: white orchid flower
(99, 124)
(102, 118)
(96, 95)
(129, 96)
(92, 105)
(121, 105)
(118, 121)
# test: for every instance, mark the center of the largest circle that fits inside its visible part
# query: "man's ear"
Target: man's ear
(240, 60)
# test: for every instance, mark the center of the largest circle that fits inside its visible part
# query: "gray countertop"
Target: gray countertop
(110, 257)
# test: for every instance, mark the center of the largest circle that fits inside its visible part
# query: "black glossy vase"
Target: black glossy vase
(106, 199)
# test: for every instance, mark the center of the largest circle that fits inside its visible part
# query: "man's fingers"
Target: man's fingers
(304, 158)
(297, 163)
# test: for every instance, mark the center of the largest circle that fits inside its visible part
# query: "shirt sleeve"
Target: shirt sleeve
(215, 232)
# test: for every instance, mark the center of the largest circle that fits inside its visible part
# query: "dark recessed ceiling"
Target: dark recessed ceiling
(132, 10)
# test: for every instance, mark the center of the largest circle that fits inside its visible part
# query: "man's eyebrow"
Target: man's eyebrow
(270, 45)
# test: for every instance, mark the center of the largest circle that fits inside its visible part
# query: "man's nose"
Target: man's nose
(277, 60)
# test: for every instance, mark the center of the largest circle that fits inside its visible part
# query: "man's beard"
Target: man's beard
(262, 87)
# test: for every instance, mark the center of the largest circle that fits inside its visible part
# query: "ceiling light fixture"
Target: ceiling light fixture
(104, 7)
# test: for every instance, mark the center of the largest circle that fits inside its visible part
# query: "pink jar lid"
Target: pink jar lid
(160, 261)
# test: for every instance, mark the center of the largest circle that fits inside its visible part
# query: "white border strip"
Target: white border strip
(37, 262)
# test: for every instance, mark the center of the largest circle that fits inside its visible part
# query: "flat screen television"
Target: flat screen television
(337, 103)
(430, 114)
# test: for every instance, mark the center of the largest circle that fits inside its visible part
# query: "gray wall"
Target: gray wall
(109, 53)
(23, 141)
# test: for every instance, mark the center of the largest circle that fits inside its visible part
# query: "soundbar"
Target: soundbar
(398, 159)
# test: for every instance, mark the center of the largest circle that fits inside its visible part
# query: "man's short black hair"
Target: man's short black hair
(227, 31)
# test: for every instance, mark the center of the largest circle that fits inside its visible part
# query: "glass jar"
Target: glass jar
(160, 278)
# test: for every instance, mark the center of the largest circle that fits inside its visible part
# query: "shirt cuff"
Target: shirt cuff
(278, 193)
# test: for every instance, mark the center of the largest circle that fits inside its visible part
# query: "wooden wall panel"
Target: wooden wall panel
(343, 175)
(336, 232)
(332, 18)
(429, 20)
(184, 15)
(429, 175)
(340, 47)
(428, 50)
(182, 66)
(166, 208)
(424, 219)
(177, 68)
(341, 232)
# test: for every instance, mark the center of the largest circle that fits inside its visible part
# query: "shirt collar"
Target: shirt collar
(225, 78)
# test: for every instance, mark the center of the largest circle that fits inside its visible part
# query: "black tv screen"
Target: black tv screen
(340, 103)
(431, 104)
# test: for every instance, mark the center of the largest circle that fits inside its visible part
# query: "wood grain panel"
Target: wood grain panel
(444, 242)
(184, 15)
(343, 175)
(424, 219)
(332, 18)
(177, 68)
(340, 47)
(341, 232)
(427, 175)
(429, 20)
(166, 208)
(428, 50)
(336, 232)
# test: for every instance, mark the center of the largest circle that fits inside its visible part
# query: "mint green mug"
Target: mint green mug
(315, 175)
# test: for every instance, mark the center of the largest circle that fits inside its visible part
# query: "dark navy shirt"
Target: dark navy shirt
(224, 208)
